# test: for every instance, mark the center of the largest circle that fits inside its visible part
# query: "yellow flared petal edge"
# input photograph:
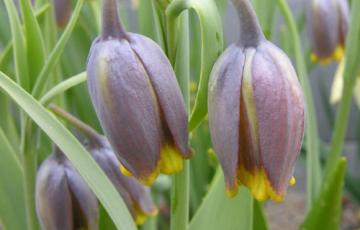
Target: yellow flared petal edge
(171, 162)
(140, 216)
(258, 184)
(337, 55)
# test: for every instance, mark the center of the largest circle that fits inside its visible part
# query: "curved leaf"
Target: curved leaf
(83, 162)
(211, 47)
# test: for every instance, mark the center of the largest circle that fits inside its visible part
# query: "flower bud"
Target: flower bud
(136, 196)
(63, 199)
(328, 23)
(62, 12)
(256, 112)
(137, 100)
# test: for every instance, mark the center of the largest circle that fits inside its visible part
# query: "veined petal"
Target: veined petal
(279, 106)
(166, 88)
(224, 112)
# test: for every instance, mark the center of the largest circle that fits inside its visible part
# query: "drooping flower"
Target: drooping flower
(256, 112)
(63, 199)
(136, 196)
(328, 22)
(137, 100)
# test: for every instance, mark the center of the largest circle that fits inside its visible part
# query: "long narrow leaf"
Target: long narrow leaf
(11, 187)
(83, 162)
(326, 212)
(21, 65)
(56, 52)
(34, 41)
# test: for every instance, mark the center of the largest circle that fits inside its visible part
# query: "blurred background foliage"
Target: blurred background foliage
(142, 16)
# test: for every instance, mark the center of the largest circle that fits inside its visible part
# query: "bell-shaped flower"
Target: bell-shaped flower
(256, 112)
(136, 196)
(328, 23)
(63, 199)
(137, 100)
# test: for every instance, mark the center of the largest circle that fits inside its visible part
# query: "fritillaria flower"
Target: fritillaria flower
(328, 22)
(137, 100)
(256, 112)
(136, 196)
(63, 199)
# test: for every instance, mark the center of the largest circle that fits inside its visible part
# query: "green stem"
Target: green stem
(352, 65)
(178, 53)
(311, 132)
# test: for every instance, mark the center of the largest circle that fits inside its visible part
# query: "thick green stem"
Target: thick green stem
(311, 132)
(178, 53)
(352, 65)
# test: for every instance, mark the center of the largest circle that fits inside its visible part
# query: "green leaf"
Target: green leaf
(211, 47)
(12, 210)
(17, 34)
(221, 212)
(326, 212)
(83, 162)
(259, 219)
(56, 52)
(62, 87)
(34, 41)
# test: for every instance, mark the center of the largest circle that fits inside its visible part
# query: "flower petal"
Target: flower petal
(224, 112)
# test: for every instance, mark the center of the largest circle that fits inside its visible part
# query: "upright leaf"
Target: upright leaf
(19, 48)
(34, 41)
(326, 212)
(221, 212)
(12, 210)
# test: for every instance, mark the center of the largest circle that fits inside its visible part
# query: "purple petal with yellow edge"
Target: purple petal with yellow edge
(53, 198)
(323, 25)
(280, 114)
(166, 88)
(84, 203)
(126, 105)
(136, 196)
(224, 112)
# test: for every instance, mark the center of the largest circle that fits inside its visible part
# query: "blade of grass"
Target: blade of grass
(12, 210)
(34, 41)
(56, 52)
(18, 41)
(83, 162)
(62, 87)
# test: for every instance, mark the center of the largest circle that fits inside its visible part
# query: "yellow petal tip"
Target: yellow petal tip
(171, 161)
(292, 181)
